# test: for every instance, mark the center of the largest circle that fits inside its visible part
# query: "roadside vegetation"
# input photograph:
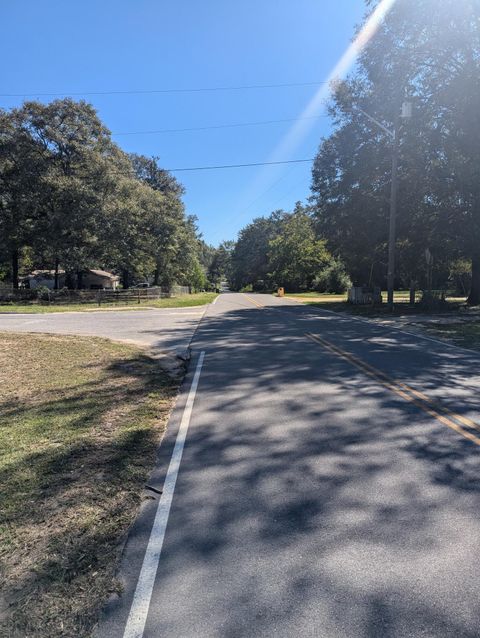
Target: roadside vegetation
(339, 303)
(71, 199)
(81, 419)
(185, 301)
(432, 62)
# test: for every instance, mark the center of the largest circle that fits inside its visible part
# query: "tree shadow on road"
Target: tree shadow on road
(309, 491)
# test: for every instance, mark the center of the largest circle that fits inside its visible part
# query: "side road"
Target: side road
(163, 330)
(325, 484)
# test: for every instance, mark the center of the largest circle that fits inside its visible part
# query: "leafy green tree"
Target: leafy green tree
(249, 262)
(75, 148)
(332, 278)
(21, 170)
(295, 255)
(126, 232)
(220, 266)
(175, 240)
(197, 277)
(206, 253)
(428, 53)
(71, 198)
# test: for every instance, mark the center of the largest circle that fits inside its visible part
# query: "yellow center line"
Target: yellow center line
(254, 301)
(420, 395)
(404, 391)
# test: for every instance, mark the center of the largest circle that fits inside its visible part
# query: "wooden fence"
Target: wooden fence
(98, 297)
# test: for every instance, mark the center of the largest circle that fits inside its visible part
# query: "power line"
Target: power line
(161, 91)
(220, 126)
(241, 213)
(211, 168)
(131, 173)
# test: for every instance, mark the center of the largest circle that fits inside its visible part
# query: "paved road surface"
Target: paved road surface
(166, 329)
(329, 486)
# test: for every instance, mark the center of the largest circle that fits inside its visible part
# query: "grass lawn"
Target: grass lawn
(464, 334)
(196, 299)
(80, 421)
(339, 303)
(322, 297)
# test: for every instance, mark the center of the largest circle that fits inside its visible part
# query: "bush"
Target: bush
(43, 293)
(333, 278)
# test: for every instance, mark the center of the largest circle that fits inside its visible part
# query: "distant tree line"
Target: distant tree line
(284, 250)
(426, 52)
(70, 198)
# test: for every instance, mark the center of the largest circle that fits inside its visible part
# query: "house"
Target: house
(91, 279)
(99, 280)
(43, 278)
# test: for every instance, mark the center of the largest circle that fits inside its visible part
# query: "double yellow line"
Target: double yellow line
(254, 301)
(460, 424)
(430, 407)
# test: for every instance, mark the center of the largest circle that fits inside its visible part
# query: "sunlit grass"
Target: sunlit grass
(196, 299)
(400, 296)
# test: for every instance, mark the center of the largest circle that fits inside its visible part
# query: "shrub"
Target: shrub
(333, 278)
(43, 293)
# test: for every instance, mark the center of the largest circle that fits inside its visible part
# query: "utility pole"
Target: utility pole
(395, 138)
(393, 218)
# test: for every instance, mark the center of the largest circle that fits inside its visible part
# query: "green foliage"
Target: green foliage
(333, 278)
(43, 293)
(460, 276)
(295, 255)
(197, 277)
(432, 59)
(281, 250)
(71, 198)
(249, 259)
(220, 265)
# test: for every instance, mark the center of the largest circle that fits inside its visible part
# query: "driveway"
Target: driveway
(164, 330)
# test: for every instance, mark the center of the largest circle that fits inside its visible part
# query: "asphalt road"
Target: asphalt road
(166, 329)
(329, 485)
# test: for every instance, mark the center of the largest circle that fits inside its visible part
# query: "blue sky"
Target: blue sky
(87, 46)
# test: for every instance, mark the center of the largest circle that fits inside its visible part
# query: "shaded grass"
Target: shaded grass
(338, 303)
(464, 334)
(80, 421)
(196, 299)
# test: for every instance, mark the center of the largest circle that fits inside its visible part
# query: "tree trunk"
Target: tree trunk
(79, 279)
(15, 269)
(55, 285)
(156, 276)
(474, 296)
(412, 293)
(125, 278)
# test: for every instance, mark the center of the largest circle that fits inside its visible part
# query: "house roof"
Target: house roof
(51, 273)
(40, 273)
(104, 273)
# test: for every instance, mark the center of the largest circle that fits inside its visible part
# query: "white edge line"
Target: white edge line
(137, 617)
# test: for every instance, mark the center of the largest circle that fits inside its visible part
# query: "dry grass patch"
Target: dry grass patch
(80, 421)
